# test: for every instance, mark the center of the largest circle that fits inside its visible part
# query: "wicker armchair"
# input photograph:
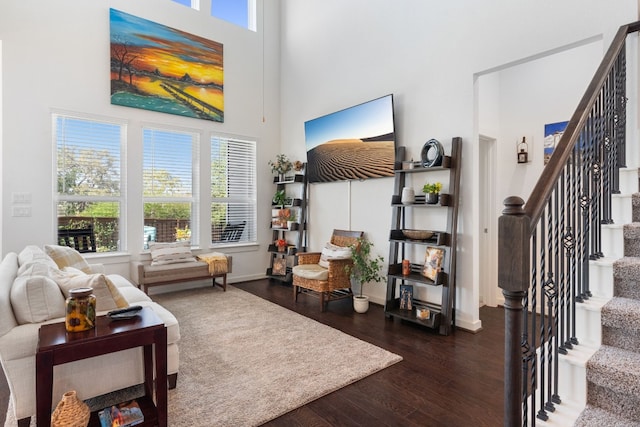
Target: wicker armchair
(330, 283)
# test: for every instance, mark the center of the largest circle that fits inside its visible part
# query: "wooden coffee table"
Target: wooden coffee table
(57, 346)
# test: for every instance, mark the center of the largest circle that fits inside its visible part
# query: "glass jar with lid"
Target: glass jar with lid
(80, 310)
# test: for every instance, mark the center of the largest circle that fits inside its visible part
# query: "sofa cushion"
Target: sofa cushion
(107, 295)
(35, 299)
(311, 271)
(32, 255)
(65, 256)
(170, 252)
(8, 272)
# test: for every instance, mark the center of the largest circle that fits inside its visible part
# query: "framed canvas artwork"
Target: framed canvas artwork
(279, 266)
(158, 68)
(432, 262)
(552, 134)
(406, 297)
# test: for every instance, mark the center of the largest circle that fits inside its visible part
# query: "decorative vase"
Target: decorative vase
(408, 196)
(431, 198)
(281, 177)
(361, 304)
(70, 412)
(281, 248)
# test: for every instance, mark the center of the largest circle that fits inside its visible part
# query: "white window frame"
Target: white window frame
(121, 199)
(250, 199)
(194, 199)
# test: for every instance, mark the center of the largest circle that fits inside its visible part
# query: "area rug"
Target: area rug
(245, 360)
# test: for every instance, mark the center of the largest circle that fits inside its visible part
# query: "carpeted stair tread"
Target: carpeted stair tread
(626, 277)
(615, 369)
(622, 313)
(635, 207)
(597, 417)
(632, 239)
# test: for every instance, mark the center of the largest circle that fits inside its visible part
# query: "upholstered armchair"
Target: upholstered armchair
(323, 274)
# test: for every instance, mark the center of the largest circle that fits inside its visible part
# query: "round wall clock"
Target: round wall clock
(432, 153)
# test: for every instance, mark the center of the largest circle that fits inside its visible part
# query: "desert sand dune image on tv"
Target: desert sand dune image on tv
(352, 144)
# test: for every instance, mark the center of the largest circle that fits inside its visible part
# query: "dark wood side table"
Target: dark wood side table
(57, 346)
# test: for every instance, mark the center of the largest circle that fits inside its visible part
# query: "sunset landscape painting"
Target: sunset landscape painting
(352, 144)
(158, 68)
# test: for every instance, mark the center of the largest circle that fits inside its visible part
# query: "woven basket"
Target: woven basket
(70, 412)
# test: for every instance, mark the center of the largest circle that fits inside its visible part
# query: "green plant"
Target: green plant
(281, 165)
(279, 198)
(432, 188)
(366, 267)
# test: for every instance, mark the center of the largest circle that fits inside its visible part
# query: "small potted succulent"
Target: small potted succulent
(432, 192)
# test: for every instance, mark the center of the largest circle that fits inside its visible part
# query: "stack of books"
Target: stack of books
(122, 415)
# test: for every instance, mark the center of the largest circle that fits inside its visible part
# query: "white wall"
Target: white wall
(336, 54)
(56, 56)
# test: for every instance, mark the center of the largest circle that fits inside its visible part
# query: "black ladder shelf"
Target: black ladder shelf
(441, 313)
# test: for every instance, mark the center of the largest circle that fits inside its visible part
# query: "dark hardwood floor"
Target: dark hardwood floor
(442, 381)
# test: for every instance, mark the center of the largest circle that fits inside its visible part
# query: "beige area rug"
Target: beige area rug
(245, 360)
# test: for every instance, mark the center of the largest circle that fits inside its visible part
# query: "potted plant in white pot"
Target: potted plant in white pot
(365, 269)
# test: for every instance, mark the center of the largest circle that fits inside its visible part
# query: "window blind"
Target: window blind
(233, 189)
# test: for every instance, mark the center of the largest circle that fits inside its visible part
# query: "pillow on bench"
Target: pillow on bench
(170, 252)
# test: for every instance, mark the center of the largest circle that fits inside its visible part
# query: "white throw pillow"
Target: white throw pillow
(107, 295)
(170, 252)
(331, 251)
(65, 256)
(31, 255)
(35, 299)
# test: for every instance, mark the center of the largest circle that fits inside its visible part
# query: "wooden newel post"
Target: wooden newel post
(513, 278)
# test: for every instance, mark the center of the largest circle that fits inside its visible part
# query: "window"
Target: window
(233, 190)
(88, 176)
(238, 12)
(186, 3)
(169, 185)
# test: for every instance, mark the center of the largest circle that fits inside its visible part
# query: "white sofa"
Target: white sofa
(28, 299)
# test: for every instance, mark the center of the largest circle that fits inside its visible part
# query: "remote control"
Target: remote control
(125, 310)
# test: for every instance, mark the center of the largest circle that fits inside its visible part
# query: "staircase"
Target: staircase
(613, 372)
(601, 384)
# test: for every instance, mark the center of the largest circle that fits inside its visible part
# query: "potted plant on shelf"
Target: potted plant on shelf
(432, 192)
(365, 269)
(279, 198)
(281, 244)
(281, 166)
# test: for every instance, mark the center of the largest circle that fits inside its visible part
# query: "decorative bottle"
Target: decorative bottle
(80, 310)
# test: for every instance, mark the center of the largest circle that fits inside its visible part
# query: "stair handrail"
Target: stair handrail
(520, 231)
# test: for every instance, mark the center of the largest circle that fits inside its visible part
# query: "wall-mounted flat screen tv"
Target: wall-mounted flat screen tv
(354, 143)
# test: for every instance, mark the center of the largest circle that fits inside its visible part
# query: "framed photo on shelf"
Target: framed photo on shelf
(406, 297)
(279, 266)
(432, 262)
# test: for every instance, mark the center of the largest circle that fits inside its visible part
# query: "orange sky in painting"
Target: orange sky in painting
(170, 64)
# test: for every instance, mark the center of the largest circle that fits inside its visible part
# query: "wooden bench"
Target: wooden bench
(82, 240)
(146, 275)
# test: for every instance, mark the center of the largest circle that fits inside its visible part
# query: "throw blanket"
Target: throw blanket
(217, 262)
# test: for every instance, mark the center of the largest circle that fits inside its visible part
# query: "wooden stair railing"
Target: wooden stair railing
(545, 243)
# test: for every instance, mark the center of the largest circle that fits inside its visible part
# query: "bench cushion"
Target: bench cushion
(169, 272)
